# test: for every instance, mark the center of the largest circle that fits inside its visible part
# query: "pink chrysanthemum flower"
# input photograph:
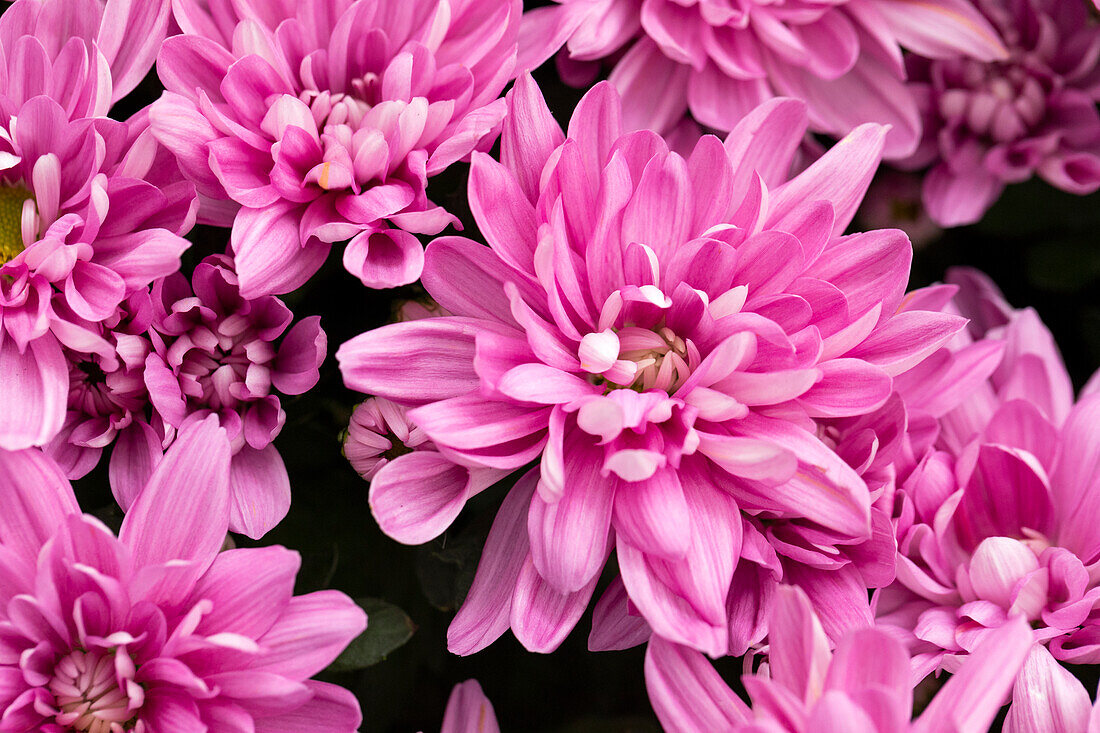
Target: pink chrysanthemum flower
(864, 686)
(321, 121)
(1034, 113)
(661, 334)
(156, 630)
(998, 520)
(215, 352)
(721, 58)
(88, 215)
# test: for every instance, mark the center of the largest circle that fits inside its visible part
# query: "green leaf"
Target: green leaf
(388, 627)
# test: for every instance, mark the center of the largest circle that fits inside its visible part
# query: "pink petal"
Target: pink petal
(485, 613)
(943, 29)
(469, 711)
(543, 616)
(136, 453)
(384, 259)
(332, 709)
(569, 537)
(529, 136)
(310, 632)
(419, 361)
(183, 512)
(37, 500)
(269, 255)
(415, 497)
(971, 698)
(34, 388)
(259, 491)
(687, 693)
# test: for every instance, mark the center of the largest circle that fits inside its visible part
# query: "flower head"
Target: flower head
(156, 629)
(991, 123)
(997, 519)
(321, 121)
(720, 59)
(215, 352)
(662, 335)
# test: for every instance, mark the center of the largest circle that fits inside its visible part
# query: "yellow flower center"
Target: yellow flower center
(12, 202)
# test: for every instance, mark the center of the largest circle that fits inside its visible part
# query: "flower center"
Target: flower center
(15, 203)
(661, 358)
(1001, 102)
(86, 690)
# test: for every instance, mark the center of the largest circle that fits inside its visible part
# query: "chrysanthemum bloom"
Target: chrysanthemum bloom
(469, 711)
(1034, 113)
(155, 630)
(215, 352)
(395, 455)
(661, 334)
(720, 59)
(999, 520)
(82, 224)
(864, 686)
(321, 121)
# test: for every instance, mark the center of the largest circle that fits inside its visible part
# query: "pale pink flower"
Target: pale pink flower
(89, 213)
(989, 124)
(719, 59)
(863, 686)
(998, 520)
(156, 630)
(320, 121)
(662, 335)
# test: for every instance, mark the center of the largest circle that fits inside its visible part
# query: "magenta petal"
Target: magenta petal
(34, 388)
(971, 698)
(653, 515)
(687, 693)
(301, 353)
(485, 613)
(841, 177)
(569, 537)
(848, 387)
(384, 259)
(130, 35)
(418, 361)
(310, 632)
(543, 616)
(249, 590)
(1007, 491)
(613, 626)
(1075, 480)
(503, 213)
(1046, 697)
(799, 649)
(136, 453)
(468, 710)
(269, 255)
(259, 491)
(529, 136)
(491, 433)
(332, 709)
(415, 497)
(183, 512)
(37, 500)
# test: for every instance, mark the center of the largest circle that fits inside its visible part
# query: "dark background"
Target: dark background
(1039, 244)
